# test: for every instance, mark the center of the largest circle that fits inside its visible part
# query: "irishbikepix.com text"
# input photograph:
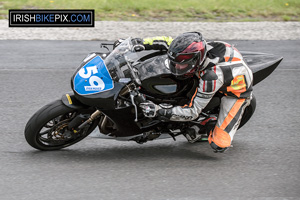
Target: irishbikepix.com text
(51, 18)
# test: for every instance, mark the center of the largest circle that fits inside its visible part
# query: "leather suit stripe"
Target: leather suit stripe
(235, 119)
(192, 100)
(232, 113)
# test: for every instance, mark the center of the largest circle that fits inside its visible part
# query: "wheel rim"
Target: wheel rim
(55, 132)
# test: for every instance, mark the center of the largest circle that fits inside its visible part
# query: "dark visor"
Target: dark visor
(182, 58)
(180, 69)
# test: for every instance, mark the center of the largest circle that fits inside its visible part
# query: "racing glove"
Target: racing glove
(162, 111)
(149, 109)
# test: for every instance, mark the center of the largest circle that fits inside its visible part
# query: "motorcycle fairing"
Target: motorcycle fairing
(261, 64)
(93, 78)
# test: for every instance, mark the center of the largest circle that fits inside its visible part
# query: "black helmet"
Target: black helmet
(187, 53)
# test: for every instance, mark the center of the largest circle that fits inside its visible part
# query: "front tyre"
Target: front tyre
(48, 129)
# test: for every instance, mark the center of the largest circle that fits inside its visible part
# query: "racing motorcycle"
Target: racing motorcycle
(107, 89)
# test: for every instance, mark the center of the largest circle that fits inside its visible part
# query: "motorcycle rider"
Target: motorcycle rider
(219, 67)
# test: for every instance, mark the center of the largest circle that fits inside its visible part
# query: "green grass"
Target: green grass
(170, 10)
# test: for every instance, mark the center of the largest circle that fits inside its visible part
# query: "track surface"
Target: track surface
(264, 161)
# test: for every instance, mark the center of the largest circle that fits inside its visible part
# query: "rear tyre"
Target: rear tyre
(249, 110)
(47, 129)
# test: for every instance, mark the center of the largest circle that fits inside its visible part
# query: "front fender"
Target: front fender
(70, 101)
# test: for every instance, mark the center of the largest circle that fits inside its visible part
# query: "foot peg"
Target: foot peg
(192, 134)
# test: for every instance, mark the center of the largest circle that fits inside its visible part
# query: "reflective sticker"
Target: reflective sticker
(238, 85)
(69, 99)
(93, 78)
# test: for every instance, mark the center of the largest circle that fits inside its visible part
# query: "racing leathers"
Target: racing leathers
(224, 71)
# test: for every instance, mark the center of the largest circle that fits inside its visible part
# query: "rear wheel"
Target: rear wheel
(249, 110)
(48, 129)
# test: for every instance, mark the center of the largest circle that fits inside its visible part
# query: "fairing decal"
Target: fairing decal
(93, 78)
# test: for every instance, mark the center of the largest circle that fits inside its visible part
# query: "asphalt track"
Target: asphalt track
(263, 163)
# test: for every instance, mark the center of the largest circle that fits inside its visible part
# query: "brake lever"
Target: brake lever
(132, 95)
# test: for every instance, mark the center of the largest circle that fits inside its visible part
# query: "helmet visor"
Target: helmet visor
(185, 57)
(180, 68)
(183, 63)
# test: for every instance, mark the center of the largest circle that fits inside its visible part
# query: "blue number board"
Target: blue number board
(93, 78)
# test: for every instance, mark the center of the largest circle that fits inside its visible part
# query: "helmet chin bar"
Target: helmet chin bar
(187, 75)
(201, 65)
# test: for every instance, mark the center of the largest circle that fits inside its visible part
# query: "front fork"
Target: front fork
(93, 116)
(70, 101)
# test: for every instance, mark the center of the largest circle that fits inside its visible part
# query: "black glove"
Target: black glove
(149, 109)
(138, 44)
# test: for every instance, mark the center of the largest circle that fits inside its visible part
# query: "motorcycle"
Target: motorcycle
(107, 89)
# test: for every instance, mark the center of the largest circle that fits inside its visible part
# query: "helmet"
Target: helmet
(186, 54)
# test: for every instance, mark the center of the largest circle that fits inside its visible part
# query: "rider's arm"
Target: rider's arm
(157, 43)
(211, 81)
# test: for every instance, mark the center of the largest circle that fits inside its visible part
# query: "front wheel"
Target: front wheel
(48, 129)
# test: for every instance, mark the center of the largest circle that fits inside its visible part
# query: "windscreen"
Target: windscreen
(117, 61)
